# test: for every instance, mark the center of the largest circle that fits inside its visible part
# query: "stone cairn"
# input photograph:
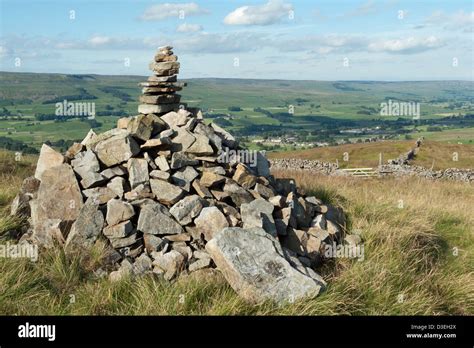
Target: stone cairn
(159, 92)
(169, 194)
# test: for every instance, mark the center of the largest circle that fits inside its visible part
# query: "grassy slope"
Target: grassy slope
(409, 266)
(367, 154)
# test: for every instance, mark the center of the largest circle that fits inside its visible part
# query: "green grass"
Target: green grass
(409, 266)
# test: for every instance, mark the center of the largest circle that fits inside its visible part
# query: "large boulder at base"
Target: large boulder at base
(59, 196)
(253, 263)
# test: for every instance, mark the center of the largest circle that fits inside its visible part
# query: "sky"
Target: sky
(264, 39)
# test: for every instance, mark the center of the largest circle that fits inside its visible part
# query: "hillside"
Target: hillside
(310, 111)
(416, 260)
(432, 153)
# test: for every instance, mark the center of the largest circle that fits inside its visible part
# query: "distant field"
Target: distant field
(438, 154)
(320, 109)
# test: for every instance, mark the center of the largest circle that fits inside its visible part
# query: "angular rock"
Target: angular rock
(162, 163)
(171, 263)
(175, 119)
(89, 137)
(156, 109)
(201, 190)
(48, 158)
(109, 173)
(200, 264)
(86, 229)
(100, 195)
(138, 193)
(182, 140)
(187, 209)
(128, 241)
(73, 150)
(179, 160)
(85, 163)
(118, 186)
(258, 213)
(238, 194)
(118, 211)
(227, 138)
(210, 221)
(263, 166)
(210, 179)
(120, 230)
(184, 177)
(117, 149)
(244, 255)
(59, 196)
(244, 177)
(160, 99)
(137, 172)
(91, 179)
(156, 219)
(165, 192)
(153, 243)
(143, 264)
(201, 146)
(159, 174)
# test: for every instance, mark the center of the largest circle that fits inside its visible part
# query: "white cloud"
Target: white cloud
(99, 40)
(271, 12)
(167, 10)
(408, 45)
(222, 43)
(188, 28)
(455, 21)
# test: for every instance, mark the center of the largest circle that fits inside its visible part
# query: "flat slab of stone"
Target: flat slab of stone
(187, 209)
(210, 221)
(159, 98)
(253, 263)
(157, 109)
(156, 219)
(117, 149)
(59, 195)
(165, 192)
(137, 172)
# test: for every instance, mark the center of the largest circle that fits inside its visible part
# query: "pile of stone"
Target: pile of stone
(169, 194)
(159, 92)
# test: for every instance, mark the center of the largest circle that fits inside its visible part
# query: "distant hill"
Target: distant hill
(311, 111)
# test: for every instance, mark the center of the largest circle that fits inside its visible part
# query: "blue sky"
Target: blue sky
(273, 39)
